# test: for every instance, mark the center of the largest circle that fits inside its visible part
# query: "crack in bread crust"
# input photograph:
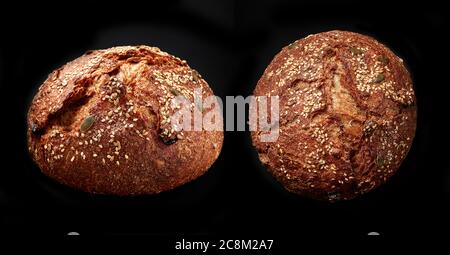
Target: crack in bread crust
(347, 115)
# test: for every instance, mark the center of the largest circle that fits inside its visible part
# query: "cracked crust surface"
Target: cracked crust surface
(100, 123)
(347, 115)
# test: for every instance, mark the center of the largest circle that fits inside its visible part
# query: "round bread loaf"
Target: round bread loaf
(100, 123)
(347, 115)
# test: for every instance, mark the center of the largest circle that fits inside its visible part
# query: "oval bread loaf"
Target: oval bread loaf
(101, 123)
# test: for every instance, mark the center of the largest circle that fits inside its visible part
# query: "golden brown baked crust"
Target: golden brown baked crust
(347, 115)
(99, 123)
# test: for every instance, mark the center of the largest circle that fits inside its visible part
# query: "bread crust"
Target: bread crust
(347, 115)
(99, 123)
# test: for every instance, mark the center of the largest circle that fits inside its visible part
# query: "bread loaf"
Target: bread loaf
(347, 115)
(100, 123)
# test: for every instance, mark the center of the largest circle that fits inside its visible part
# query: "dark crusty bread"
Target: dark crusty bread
(347, 115)
(99, 123)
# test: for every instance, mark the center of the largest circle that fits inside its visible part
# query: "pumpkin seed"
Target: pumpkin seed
(356, 51)
(196, 76)
(383, 59)
(87, 123)
(380, 77)
(328, 50)
(175, 92)
(379, 160)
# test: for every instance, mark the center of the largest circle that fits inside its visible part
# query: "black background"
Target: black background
(230, 43)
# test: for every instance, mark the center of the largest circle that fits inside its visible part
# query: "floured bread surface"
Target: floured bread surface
(347, 115)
